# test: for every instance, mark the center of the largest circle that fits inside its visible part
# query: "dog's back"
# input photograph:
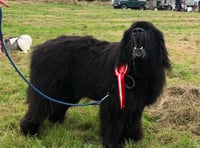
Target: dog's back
(73, 63)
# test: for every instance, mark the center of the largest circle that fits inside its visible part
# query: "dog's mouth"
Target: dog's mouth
(138, 40)
(139, 52)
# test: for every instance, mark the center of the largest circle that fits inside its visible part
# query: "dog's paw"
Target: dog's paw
(29, 128)
(54, 119)
(114, 146)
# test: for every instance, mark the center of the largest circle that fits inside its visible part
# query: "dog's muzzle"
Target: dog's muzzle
(138, 39)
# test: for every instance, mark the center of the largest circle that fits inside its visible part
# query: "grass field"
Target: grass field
(173, 122)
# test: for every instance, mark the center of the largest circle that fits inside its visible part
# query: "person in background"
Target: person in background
(4, 3)
(199, 5)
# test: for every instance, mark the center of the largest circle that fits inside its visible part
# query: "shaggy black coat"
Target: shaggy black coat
(73, 67)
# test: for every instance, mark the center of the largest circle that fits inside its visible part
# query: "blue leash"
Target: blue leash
(32, 86)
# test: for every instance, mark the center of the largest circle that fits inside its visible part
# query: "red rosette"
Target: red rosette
(120, 73)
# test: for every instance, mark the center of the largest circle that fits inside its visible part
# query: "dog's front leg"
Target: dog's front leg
(134, 129)
(112, 126)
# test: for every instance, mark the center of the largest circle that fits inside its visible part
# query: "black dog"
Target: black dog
(73, 67)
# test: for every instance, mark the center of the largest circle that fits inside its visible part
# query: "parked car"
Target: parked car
(133, 4)
(165, 7)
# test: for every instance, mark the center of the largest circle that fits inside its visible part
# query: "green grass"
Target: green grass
(81, 128)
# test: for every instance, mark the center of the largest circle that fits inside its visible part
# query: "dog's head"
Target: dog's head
(143, 41)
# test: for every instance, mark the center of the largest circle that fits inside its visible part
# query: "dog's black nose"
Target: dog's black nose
(138, 31)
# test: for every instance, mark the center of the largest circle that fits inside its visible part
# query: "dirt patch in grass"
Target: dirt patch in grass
(178, 107)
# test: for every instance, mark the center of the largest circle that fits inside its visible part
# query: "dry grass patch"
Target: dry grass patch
(179, 109)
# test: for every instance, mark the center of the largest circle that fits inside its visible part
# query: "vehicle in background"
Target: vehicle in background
(186, 5)
(161, 4)
(133, 4)
(178, 5)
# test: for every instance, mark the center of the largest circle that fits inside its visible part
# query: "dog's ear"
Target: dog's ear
(164, 54)
(126, 39)
(124, 47)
